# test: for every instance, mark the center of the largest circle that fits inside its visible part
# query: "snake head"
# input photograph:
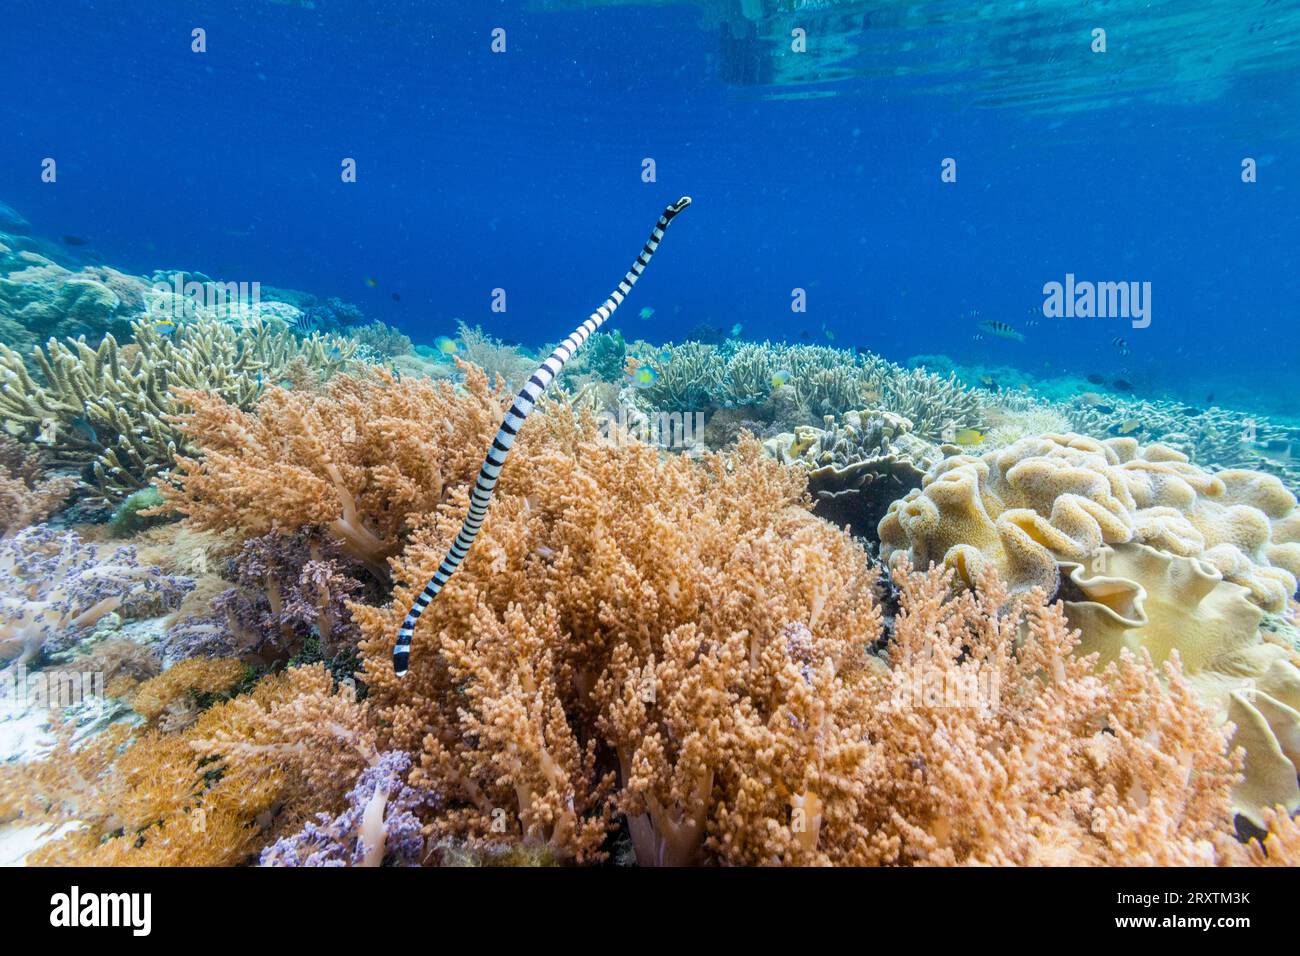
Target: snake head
(679, 205)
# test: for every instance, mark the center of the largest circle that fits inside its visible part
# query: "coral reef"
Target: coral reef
(45, 298)
(1158, 554)
(626, 603)
(244, 773)
(1002, 747)
(821, 381)
(1041, 500)
(359, 459)
(28, 492)
(292, 589)
(53, 585)
(174, 696)
(106, 411)
(1132, 596)
(495, 357)
(857, 465)
(383, 341)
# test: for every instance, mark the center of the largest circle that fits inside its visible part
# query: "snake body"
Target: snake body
(524, 402)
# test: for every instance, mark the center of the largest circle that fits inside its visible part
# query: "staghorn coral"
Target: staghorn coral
(107, 411)
(244, 773)
(28, 493)
(358, 460)
(52, 586)
(822, 381)
(619, 602)
(857, 465)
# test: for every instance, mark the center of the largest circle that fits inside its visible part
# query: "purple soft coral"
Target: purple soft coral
(291, 587)
(52, 584)
(379, 826)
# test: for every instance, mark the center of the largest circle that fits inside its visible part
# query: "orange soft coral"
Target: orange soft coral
(999, 746)
(212, 794)
(359, 458)
(622, 601)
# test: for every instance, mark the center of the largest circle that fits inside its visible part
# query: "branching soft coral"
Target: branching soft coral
(998, 746)
(624, 603)
(359, 459)
(246, 771)
(28, 495)
(379, 826)
(291, 589)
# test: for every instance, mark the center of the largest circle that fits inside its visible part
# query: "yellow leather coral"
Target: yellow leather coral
(1026, 507)
(1133, 596)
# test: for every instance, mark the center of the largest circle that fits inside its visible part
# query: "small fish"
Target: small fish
(1024, 387)
(1001, 330)
(75, 241)
(643, 377)
(1105, 409)
(1123, 385)
(646, 312)
(977, 337)
(304, 323)
(164, 326)
(871, 394)
(735, 330)
(396, 297)
(372, 281)
(781, 377)
(1209, 398)
(805, 335)
(830, 336)
(445, 345)
(969, 437)
(1128, 427)
(1097, 378)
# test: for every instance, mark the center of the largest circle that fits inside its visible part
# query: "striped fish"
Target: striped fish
(1001, 329)
(524, 402)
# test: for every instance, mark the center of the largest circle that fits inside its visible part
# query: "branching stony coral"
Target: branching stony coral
(359, 459)
(695, 376)
(53, 584)
(106, 410)
(617, 602)
(244, 773)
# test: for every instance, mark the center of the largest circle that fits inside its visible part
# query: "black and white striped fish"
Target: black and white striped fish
(524, 403)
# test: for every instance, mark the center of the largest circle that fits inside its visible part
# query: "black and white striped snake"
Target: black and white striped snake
(524, 402)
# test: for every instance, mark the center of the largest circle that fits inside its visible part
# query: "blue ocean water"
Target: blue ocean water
(523, 169)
